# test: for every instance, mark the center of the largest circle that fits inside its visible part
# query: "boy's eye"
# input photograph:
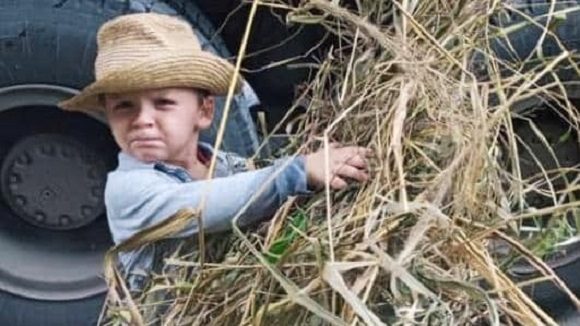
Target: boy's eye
(163, 102)
(123, 105)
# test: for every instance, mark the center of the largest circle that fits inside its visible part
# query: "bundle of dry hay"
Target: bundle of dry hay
(419, 243)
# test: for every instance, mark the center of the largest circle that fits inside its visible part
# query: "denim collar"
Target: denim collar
(128, 162)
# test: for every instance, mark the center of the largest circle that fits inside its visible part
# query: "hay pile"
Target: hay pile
(430, 239)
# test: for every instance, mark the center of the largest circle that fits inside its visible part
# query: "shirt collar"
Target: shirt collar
(128, 162)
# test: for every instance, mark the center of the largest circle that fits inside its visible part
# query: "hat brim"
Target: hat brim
(199, 70)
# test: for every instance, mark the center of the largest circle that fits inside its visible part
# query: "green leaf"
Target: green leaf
(279, 247)
(565, 137)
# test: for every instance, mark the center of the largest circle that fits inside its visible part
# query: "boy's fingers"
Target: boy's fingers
(355, 150)
(338, 183)
(358, 161)
(348, 171)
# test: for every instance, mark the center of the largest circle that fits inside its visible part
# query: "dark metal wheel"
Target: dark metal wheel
(50, 270)
(53, 229)
(54, 182)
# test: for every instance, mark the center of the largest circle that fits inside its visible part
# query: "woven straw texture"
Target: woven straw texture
(148, 51)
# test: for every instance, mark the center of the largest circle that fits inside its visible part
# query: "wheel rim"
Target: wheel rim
(38, 95)
(53, 248)
(33, 185)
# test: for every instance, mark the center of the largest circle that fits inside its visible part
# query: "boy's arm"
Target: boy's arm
(139, 199)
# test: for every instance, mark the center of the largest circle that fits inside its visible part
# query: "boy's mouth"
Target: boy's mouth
(144, 142)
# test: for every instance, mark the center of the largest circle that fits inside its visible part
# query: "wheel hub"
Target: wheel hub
(54, 182)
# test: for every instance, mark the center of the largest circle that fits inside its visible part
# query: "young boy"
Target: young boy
(155, 86)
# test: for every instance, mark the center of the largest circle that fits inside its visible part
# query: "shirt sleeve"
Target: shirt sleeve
(139, 199)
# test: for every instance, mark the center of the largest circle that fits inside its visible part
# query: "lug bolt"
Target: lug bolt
(96, 192)
(64, 220)
(47, 149)
(14, 178)
(20, 200)
(23, 159)
(13, 187)
(67, 152)
(86, 211)
(93, 174)
(46, 194)
(39, 216)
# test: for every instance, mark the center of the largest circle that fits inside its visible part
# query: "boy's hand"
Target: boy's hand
(345, 164)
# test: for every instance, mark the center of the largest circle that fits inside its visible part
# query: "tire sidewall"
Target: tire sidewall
(54, 43)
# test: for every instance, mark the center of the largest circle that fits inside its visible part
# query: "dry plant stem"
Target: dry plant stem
(332, 276)
(287, 304)
(223, 122)
(541, 266)
(114, 278)
(531, 313)
(430, 38)
(406, 92)
(114, 281)
(412, 245)
(293, 291)
(369, 29)
(232, 88)
(349, 68)
(327, 178)
(542, 212)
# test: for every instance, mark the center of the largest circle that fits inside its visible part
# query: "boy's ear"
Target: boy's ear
(206, 111)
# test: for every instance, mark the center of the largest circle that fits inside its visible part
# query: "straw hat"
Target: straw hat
(147, 51)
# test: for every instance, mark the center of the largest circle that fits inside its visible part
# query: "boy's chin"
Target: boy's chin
(148, 156)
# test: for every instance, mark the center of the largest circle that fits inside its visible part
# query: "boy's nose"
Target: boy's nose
(144, 118)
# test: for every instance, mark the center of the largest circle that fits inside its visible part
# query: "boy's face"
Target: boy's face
(159, 125)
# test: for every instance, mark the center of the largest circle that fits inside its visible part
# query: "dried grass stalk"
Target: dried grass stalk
(414, 245)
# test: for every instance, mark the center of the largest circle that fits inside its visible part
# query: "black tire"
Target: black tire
(519, 45)
(53, 43)
(515, 49)
(272, 40)
(17, 311)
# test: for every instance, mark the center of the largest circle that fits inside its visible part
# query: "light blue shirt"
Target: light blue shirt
(139, 195)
